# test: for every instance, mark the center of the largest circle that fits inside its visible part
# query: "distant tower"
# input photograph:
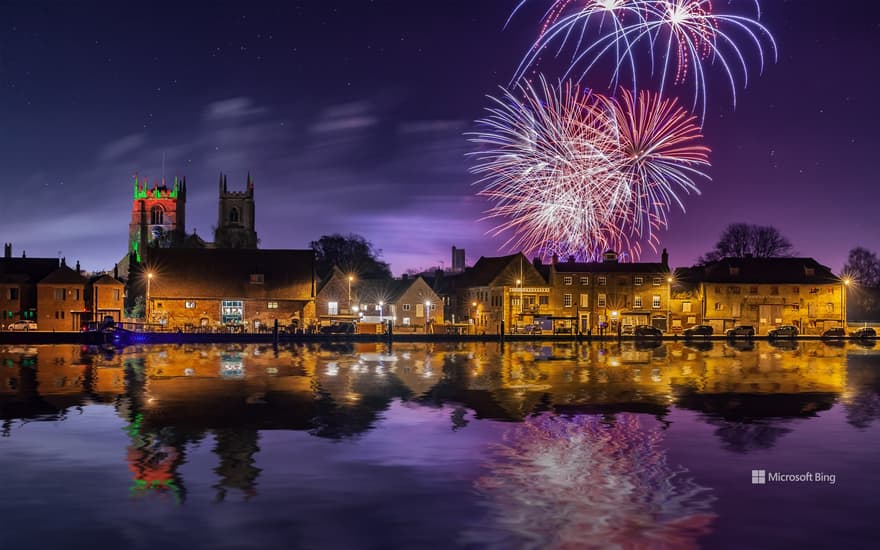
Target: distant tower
(235, 222)
(457, 260)
(158, 216)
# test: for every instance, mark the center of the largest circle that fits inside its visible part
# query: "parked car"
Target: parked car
(836, 332)
(646, 331)
(344, 327)
(627, 330)
(865, 332)
(783, 331)
(698, 330)
(741, 331)
(22, 325)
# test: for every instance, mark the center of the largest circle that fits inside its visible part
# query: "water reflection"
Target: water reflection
(581, 444)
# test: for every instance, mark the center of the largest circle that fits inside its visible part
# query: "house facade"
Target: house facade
(240, 289)
(768, 292)
(61, 300)
(603, 296)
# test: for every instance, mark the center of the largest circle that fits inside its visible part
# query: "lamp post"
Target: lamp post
(350, 279)
(380, 311)
(474, 316)
(427, 314)
(846, 282)
(669, 304)
(147, 304)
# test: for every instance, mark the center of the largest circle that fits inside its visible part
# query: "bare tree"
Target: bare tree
(863, 266)
(740, 240)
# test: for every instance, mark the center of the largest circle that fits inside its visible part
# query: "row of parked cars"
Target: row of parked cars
(784, 331)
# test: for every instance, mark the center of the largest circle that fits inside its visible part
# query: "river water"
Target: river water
(440, 446)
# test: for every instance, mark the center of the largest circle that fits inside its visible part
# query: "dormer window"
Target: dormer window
(257, 278)
(810, 271)
(734, 271)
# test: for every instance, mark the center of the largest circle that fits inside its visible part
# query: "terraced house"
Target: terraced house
(768, 292)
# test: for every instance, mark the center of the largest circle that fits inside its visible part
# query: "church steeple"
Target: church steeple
(236, 217)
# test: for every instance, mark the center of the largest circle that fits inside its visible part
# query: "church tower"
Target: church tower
(235, 222)
(158, 216)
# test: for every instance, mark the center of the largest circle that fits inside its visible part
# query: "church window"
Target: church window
(157, 216)
(233, 215)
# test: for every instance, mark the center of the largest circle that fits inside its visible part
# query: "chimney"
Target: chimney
(63, 261)
(610, 257)
(7, 250)
(555, 259)
(571, 259)
(404, 277)
(116, 271)
(78, 270)
(664, 259)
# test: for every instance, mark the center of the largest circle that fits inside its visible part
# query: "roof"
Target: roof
(33, 269)
(225, 272)
(487, 271)
(611, 267)
(384, 290)
(768, 270)
(107, 280)
(63, 276)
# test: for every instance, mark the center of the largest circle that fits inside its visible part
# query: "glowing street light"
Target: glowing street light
(846, 282)
(427, 314)
(147, 304)
(350, 279)
(380, 310)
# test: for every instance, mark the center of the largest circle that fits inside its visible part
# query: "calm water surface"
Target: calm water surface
(440, 446)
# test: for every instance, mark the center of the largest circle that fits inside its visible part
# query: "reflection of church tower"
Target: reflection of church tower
(235, 222)
(236, 449)
(158, 216)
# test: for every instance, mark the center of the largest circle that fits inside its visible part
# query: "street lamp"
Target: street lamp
(846, 281)
(380, 311)
(669, 304)
(350, 279)
(427, 314)
(147, 304)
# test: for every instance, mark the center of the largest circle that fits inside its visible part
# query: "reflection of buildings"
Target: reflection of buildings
(172, 396)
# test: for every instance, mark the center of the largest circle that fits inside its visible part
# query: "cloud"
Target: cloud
(230, 109)
(121, 147)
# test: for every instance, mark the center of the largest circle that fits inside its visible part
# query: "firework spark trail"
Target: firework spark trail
(686, 30)
(572, 173)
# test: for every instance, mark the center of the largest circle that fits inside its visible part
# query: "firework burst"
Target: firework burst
(680, 38)
(573, 173)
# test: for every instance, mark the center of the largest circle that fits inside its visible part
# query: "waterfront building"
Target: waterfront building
(406, 302)
(230, 288)
(768, 292)
(61, 300)
(18, 284)
(605, 296)
(236, 217)
(106, 295)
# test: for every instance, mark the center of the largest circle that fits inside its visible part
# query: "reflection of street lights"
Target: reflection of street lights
(147, 304)
(846, 281)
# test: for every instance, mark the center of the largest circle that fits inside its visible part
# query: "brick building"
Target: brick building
(587, 296)
(242, 288)
(18, 285)
(768, 292)
(61, 300)
(105, 298)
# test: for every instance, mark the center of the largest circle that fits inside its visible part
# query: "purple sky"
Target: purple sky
(350, 115)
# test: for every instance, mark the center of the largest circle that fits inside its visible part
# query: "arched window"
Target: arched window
(157, 216)
(233, 215)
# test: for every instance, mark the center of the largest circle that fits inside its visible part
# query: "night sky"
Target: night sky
(350, 116)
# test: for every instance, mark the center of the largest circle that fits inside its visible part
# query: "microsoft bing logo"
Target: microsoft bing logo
(759, 477)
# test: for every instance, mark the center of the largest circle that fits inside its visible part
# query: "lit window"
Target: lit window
(829, 307)
(566, 300)
(406, 321)
(657, 281)
(600, 301)
(272, 305)
(655, 301)
(585, 281)
(60, 294)
(795, 290)
(332, 308)
(639, 281)
(637, 302)
(116, 294)
(567, 280)
(189, 304)
(602, 280)
(585, 300)
(685, 307)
